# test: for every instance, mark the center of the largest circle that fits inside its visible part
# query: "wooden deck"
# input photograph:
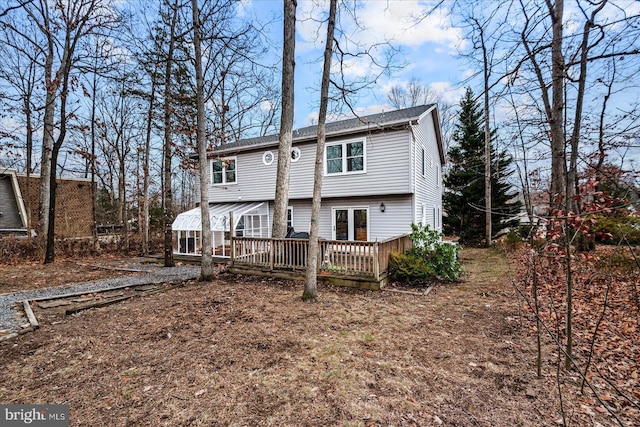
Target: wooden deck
(345, 263)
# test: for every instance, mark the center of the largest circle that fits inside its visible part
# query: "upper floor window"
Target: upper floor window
(267, 158)
(223, 171)
(423, 160)
(345, 157)
(295, 154)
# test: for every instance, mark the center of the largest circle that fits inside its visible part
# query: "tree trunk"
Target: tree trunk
(51, 85)
(572, 178)
(145, 172)
(94, 225)
(206, 267)
(487, 146)
(61, 76)
(311, 276)
(29, 136)
(167, 193)
(281, 199)
(556, 120)
(49, 256)
(124, 215)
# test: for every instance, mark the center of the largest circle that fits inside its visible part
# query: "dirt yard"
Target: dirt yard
(248, 351)
(35, 275)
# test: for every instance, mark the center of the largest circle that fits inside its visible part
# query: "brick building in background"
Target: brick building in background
(73, 204)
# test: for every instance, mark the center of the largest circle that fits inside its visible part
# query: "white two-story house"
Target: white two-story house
(382, 173)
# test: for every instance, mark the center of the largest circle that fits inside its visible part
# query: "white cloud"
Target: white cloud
(266, 105)
(243, 7)
(446, 92)
(352, 68)
(405, 22)
(400, 22)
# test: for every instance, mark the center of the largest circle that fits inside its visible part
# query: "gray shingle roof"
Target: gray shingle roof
(370, 122)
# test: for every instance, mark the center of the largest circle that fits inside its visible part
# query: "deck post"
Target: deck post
(272, 250)
(231, 243)
(376, 261)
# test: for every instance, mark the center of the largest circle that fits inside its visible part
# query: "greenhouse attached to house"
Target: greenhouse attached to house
(249, 220)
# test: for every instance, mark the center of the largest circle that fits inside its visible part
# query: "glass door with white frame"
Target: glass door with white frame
(351, 224)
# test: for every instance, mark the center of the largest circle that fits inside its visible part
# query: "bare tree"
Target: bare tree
(79, 19)
(413, 94)
(310, 288)
(20, 73)
(99, 67)
(281, 200)
(549, 76)
(120, 118)
(570, 55)
(207, 271)
(62, 27)
(167, 194)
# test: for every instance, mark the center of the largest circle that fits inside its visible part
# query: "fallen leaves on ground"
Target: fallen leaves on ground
(606, 337)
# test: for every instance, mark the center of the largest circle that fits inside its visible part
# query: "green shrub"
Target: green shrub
(612, 229)
(410, 269)
(429, 259)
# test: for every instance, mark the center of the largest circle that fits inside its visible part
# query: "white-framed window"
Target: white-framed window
(251, 225)
(267, 158)
(423, 214)
(435, 218)
(438, 176)
(224, 171)
(345, 157)
(295, 154)
(350, 223)
(289, 216)
(423, 161)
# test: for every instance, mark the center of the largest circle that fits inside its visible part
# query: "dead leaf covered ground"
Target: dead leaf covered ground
(35, 275)
(248, 351)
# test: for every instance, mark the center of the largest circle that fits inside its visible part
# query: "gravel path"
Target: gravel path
(152, 274)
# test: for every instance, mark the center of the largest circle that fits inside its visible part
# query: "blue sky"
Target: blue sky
(429, 49)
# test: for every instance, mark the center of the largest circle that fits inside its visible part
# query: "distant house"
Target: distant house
(73, 205)
(13, 214)
(382, 173)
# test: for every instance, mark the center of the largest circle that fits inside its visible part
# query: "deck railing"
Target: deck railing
(336, 257)
(399, 244)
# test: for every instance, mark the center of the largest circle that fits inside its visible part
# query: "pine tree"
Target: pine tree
(463, 200)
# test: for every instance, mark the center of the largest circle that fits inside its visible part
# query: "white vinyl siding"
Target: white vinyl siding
(428, 189)
(387, 172)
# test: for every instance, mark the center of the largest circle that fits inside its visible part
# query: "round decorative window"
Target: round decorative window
(295, 154)
(267, 158)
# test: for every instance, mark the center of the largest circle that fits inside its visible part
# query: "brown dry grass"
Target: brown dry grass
(248, 351)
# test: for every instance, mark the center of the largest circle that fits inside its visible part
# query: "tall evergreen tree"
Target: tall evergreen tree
(463, 200)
